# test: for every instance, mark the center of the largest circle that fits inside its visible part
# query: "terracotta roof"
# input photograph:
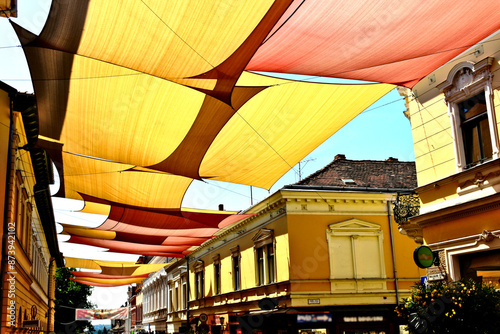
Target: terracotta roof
(342, 172)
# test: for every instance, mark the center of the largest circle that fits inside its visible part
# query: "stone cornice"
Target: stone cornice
(456, 212)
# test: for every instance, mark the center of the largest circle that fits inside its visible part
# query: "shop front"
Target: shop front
(329, 320)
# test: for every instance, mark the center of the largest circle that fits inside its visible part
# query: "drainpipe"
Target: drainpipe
(393, 253)
(51, 295)
(187, 293)
(6, 204)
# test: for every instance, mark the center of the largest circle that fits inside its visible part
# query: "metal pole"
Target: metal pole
(393, 252)
(251, 195)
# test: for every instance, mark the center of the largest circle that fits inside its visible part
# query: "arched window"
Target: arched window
(469, 95)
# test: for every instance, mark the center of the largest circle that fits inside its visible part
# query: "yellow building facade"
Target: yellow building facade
(30, 252)
(455, 122)
(325, 259)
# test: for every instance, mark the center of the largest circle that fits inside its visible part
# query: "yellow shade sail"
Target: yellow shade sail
(117, 183)
(114, 267)
(281, 125)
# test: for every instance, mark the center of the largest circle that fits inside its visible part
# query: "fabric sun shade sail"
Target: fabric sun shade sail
(99, 282)
(135, 99)
(389, 41)
(119, 183)
(146, 231)
(122, 106)
(83, 275)
(114, 268)
(272, 124)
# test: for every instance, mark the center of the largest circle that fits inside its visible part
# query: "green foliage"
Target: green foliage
(465, 306)
(69, 296)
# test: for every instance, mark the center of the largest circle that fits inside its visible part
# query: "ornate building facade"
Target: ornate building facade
(455, 122)
(30, 251)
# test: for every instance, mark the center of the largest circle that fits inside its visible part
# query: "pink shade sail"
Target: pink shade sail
(388, 41)
(131, 247)
(82, 275)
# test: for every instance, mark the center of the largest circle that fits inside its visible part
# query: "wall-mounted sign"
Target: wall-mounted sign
(364, 319)
(313, 301)
(436, 277)
(424, 257)
(314, 317)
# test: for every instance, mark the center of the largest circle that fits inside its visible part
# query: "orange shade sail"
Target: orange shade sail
(106, 282)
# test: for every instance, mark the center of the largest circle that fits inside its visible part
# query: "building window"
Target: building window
(475, 130)
(199, 278)
(184, 295)
(469, 96)
(271, 264)
(261, 280)
(236, 260)
(356, 250)
(176, 298)
(170, 300)
(217, 275)
(264, 257)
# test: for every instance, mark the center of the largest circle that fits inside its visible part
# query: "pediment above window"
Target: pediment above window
(465, 79)
(199, 266)
(263, 237)
(354, 225)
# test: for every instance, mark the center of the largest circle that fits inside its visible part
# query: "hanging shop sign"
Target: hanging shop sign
(424, 257)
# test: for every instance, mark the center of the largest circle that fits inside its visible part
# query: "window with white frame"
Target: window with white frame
(184, 294)
(170, 298)
(355, 250)
(199, 279)
(265, 272)
(235, 262)
(177, 296)
(469, 95)
(217, 274)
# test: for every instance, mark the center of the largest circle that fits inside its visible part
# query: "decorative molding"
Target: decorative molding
(263, 237)
(456, 212)
(466, 79)
(354, 225)
(487, 236)
(235, 251)
(199, 266)
(478, 181)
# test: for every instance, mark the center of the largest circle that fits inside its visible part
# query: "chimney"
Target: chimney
(221, 207)
(339, 157)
